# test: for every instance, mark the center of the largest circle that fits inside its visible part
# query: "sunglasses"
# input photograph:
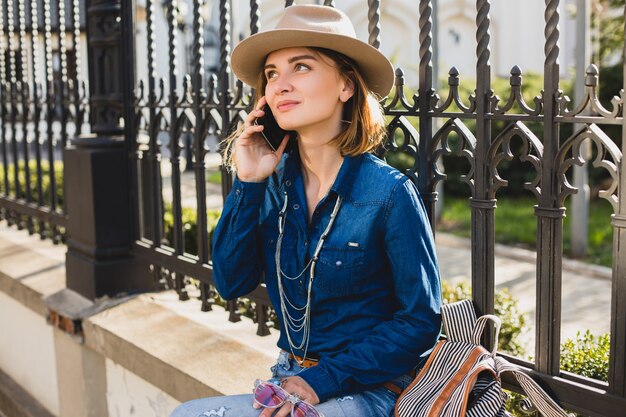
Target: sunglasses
(269, 395)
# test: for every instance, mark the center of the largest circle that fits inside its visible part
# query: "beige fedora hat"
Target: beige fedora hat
(314, 26)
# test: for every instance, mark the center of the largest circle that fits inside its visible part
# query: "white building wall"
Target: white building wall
(130, 395)
(517, 33)
(27, 352)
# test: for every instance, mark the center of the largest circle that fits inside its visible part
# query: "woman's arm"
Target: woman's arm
(237, 265)
(393, 347)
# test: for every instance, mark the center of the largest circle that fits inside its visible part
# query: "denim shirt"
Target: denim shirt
(376, 294)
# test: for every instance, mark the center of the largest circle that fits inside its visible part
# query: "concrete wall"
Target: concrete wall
(140, 356)
(27, 353)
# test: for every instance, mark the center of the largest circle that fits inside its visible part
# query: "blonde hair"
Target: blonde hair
(363, 116)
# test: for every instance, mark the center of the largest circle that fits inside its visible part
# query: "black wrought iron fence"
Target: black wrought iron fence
(43, 103)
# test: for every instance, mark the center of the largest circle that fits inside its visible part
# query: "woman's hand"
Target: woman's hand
(293, 385)
(253, 158)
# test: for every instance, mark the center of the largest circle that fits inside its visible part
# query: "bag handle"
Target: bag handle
(538, 397)
(460, 323)
(479, 328)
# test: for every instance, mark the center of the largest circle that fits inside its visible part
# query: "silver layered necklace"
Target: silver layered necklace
(300, 321)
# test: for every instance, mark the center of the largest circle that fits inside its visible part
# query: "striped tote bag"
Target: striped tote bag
(462, 378)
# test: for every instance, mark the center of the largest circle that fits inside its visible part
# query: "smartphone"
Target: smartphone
(272, 133)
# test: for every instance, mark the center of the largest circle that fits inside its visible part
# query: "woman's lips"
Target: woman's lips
(286, 105)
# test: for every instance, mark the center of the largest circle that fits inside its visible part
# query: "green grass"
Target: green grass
(516, 224)
(214, 177)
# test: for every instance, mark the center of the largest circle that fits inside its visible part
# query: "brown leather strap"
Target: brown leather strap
(393, 388)
(307, 363)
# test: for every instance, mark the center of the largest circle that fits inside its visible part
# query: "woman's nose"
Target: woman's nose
(282, 85)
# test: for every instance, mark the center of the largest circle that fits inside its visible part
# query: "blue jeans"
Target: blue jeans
(377, 402)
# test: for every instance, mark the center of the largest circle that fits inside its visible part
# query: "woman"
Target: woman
(341, 238)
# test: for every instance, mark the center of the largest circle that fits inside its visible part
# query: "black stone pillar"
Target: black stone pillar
(97, 170)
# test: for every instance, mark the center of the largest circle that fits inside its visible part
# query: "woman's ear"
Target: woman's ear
(348, 89)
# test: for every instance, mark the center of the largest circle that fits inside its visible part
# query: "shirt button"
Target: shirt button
(306, 243)
(238, 191)
(296, 206)
(288, 183)
(338, 263)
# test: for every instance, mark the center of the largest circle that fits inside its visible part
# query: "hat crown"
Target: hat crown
(316, 18)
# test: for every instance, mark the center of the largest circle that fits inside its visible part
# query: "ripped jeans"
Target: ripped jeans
(377, 402)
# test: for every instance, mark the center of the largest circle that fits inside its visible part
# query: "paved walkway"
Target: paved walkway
(586, 288)
(586, 298)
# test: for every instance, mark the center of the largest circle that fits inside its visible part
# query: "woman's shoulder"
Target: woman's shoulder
(376, 181)
(376, 171)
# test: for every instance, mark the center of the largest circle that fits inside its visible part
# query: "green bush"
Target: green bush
(190, 226)
(506, 308)
(587, 355)
(45, 181)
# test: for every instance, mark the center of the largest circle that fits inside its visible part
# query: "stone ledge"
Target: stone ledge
(30, 268)
(183, 358)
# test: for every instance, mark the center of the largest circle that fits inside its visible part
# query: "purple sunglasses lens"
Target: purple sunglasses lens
(301, 409)
(269, 395)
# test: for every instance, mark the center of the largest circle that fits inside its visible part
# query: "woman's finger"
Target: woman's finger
(251, 130)
(283, 145)
(284, 411)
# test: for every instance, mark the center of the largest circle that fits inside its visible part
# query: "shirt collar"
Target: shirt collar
(345, 177)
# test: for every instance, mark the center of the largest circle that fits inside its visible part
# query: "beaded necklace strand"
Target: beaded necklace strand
(303, 323)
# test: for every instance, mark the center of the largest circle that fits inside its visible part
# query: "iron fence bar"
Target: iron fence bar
(14, 108)
(255, 16)
(288, 3)
(482, 202)
(589, 120)
(50, 110)
(154, 153)
(549, 215)
(129, 96)
(224, 82)
(4, 103)
(62, 40)
(373, 23)
(199, 133)
(617, 354)
(25, 92)
(225, 102)
(189, 266)
(75, 88)
(330, 3)
(175, 149)
(33, 210)
(37, 106)
(425, 91)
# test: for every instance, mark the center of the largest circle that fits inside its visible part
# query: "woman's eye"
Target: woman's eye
(301, 67)
(270, 74)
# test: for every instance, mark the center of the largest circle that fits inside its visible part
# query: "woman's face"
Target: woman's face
(305, 91)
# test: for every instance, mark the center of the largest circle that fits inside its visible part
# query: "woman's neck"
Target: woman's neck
(320, 166)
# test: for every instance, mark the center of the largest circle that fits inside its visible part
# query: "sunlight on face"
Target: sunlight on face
(305, 91)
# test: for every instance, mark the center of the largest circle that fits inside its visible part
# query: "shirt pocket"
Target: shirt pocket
(339, 269)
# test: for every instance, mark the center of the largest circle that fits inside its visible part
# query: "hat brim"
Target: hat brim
(248, 57)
